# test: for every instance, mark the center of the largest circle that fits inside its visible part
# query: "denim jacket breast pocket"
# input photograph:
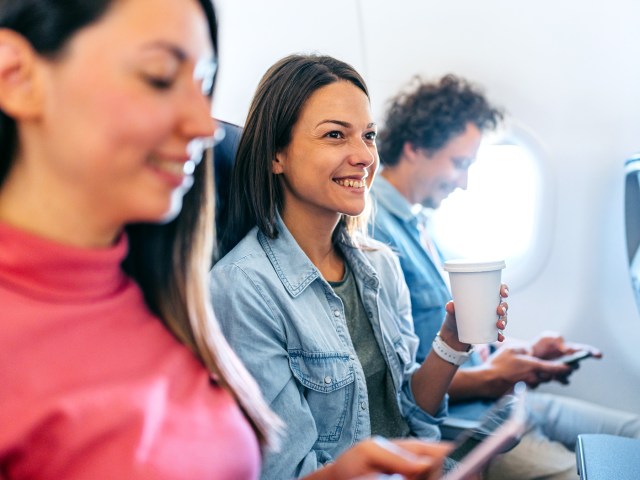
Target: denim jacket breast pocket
(327, 378)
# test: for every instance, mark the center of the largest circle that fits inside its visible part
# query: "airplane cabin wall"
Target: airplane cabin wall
(568, 75)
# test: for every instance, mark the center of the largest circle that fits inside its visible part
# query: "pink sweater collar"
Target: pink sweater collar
(47, 270)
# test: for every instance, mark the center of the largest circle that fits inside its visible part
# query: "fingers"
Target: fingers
(406, 457)
(597, 353)
(450, 319)
(539, 375)
(419, 447)
(513, 349)
(433, 451)
(544, 376)
(502, 320)
(502, 312)
(450, 308)
(563, 378)
(563, 348)
(551, 369)
(381, 456)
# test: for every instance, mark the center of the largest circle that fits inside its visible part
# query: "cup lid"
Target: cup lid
(470, 265)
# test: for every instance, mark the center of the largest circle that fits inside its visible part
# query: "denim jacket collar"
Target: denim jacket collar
(291, 264)
(296, 271)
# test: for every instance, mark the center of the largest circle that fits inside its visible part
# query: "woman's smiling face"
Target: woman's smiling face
(330, 162)
(122, 108)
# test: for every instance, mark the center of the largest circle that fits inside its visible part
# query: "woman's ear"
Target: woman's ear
(20, 92)
(277, 164)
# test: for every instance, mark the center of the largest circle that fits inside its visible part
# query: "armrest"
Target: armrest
(604, 457)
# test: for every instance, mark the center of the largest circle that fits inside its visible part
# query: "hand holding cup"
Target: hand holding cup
(475, 286)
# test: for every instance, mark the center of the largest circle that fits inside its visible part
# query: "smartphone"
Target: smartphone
(499, 431)
(575, 357)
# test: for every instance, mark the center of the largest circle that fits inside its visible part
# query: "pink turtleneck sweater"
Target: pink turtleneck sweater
(92, 386)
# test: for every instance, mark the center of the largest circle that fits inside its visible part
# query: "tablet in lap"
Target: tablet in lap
(499, 431)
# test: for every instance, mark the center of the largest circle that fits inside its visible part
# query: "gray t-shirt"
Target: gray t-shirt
(384, 412)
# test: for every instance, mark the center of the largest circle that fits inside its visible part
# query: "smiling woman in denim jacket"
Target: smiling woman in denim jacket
(319, 313)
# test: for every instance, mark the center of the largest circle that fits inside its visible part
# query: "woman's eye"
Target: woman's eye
(159, 83)
(335, 134)
(371, 136)
(158, 68)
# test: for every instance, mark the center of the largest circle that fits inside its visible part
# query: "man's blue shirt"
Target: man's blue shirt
(395, 224)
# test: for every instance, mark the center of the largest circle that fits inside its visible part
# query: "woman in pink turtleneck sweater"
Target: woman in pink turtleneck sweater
(111, 362)
(108, 372)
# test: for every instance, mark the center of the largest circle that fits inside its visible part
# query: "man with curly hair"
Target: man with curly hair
(430, 138)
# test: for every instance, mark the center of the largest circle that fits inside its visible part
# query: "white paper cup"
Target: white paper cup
(475, 286)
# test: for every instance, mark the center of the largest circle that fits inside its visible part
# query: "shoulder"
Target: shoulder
(244, 253)
(246, 264)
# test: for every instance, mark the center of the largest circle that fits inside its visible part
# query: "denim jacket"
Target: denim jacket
(289, 328)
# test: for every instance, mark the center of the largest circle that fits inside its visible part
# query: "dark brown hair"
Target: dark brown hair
(256, 192)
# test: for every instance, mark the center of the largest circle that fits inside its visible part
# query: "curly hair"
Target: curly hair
(432, 114)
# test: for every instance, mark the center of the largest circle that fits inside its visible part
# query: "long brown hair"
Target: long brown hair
(256, 193)
(170, 262)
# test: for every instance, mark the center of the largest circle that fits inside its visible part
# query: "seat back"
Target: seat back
(632, 205)
(224, 155)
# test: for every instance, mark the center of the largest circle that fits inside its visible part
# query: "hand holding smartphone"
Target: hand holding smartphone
(575, 357)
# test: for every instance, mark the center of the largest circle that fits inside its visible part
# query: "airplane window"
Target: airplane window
(632, 221)
(498, 214)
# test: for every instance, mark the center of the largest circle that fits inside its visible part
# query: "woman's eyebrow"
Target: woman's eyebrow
(173, 49)
(343, 123)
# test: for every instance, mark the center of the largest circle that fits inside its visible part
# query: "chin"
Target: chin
(175, 207)
(353, 212)
(175, 204)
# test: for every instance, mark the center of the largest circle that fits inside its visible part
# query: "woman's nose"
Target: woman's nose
(364, 154)
(197, 118)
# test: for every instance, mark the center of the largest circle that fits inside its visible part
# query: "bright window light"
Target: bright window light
(495, 217)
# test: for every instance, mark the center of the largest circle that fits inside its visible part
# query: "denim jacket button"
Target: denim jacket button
(363, 405)
(336, 313)
(327, 379)
(352, 357)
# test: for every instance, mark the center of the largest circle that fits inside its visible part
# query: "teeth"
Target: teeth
(351, 183)
(174, 168)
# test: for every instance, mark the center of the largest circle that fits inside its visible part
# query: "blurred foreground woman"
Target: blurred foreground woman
(112, 363)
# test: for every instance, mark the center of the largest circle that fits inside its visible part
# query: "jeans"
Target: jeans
(547, 450)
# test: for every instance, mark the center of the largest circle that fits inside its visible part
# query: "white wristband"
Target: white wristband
(448, 354)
